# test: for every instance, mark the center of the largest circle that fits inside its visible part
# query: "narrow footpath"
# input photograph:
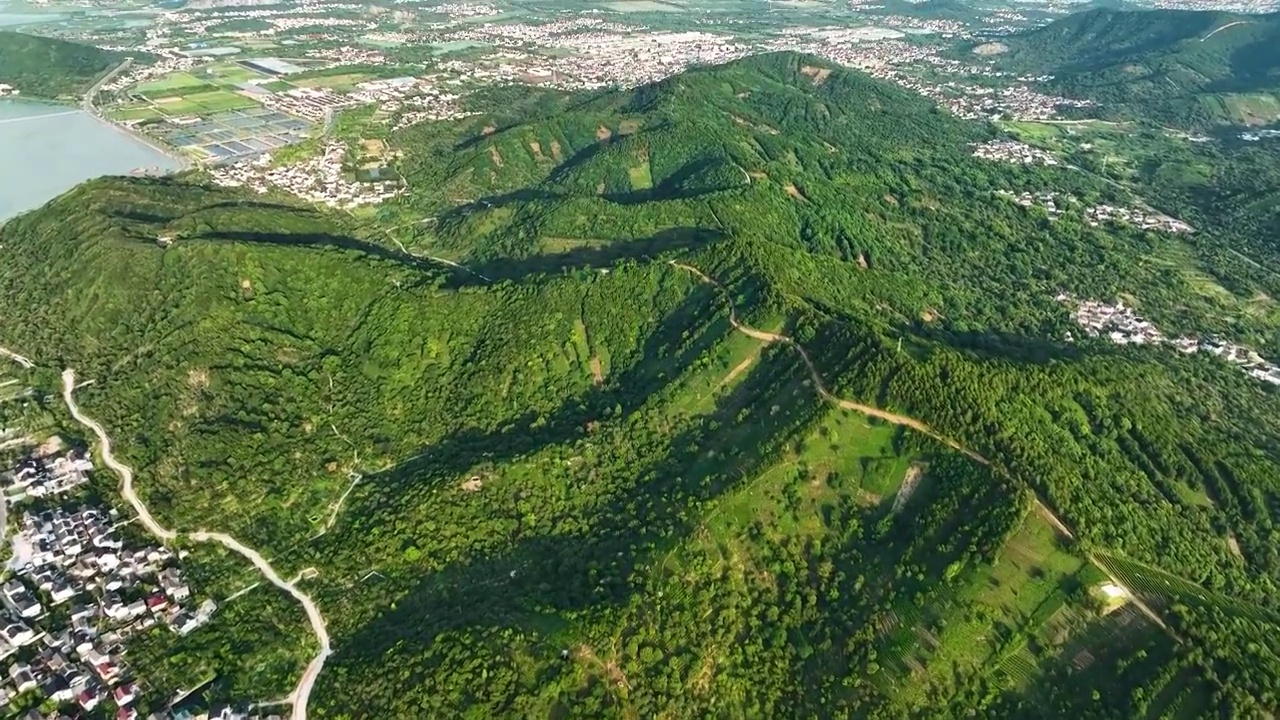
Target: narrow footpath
(302, 693)
(6, 352)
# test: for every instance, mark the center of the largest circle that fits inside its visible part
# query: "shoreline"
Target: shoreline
(58, 109)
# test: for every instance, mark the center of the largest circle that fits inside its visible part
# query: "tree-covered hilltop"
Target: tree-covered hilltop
(1185, 68)
(569, 481)
(41, 67)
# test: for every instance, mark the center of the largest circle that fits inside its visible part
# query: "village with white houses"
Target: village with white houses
(321, 179)
(73, 593)
(1055, 204)
(1012, 151)
(1121, 325)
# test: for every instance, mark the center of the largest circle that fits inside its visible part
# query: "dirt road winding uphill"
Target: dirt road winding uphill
(819, 384)
(300, 695)
(914, 424)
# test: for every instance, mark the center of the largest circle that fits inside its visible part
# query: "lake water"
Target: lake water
(46, 150)
(20, 13)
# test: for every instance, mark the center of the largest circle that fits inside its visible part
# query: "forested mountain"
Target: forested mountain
(1181, 67)
(585, 491)
(42, 67)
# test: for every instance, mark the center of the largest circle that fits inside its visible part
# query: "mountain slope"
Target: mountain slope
(43, 67)
(603, 484)
(1187, 68)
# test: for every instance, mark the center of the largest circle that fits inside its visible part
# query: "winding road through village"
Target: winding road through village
(302, 693)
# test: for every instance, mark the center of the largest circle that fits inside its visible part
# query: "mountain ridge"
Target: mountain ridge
(1188, 68)
(48, 68)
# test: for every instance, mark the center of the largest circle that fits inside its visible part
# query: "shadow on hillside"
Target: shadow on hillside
(590, 256)
(151, 216)
(997, 345)
(675, 344)
(341, 242)
(542, 577)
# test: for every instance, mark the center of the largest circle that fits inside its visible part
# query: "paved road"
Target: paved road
(86, 102)
(300, 695)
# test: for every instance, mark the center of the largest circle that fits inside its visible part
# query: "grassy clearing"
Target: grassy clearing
(1033, 132)
(169, 83)
(556, 245)
(145, 112)
(231, 73)
(219, 100)
(1255, 109)
(641, 176)
(700, 388)
(334, 82)
(1192, 496)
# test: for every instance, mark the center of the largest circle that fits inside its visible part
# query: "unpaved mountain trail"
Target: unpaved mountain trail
(818, 383)
(916, 425)
(302, 692)
(6, 352)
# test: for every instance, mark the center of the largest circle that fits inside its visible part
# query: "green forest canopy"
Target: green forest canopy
(1192, 69)
(585, 494)
(42, 67)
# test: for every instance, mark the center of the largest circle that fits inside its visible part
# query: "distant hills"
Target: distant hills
(41, 67)
(566, 482)
(1193, 69)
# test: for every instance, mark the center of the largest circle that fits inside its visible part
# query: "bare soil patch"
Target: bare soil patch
(198, 379)
(603, 133)
(555, 151)
(817, 74)
(756, 174)
(1234, 545)
(495, 155)
(706, 671)
(597, 371)
(537, 150)
(991, 48)
(246, 289)
(51, 446)
(488, 130)
(862, 261)
(930, 315)
(794, 192)
(472, 484)
(909, 484)
(627, 127)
